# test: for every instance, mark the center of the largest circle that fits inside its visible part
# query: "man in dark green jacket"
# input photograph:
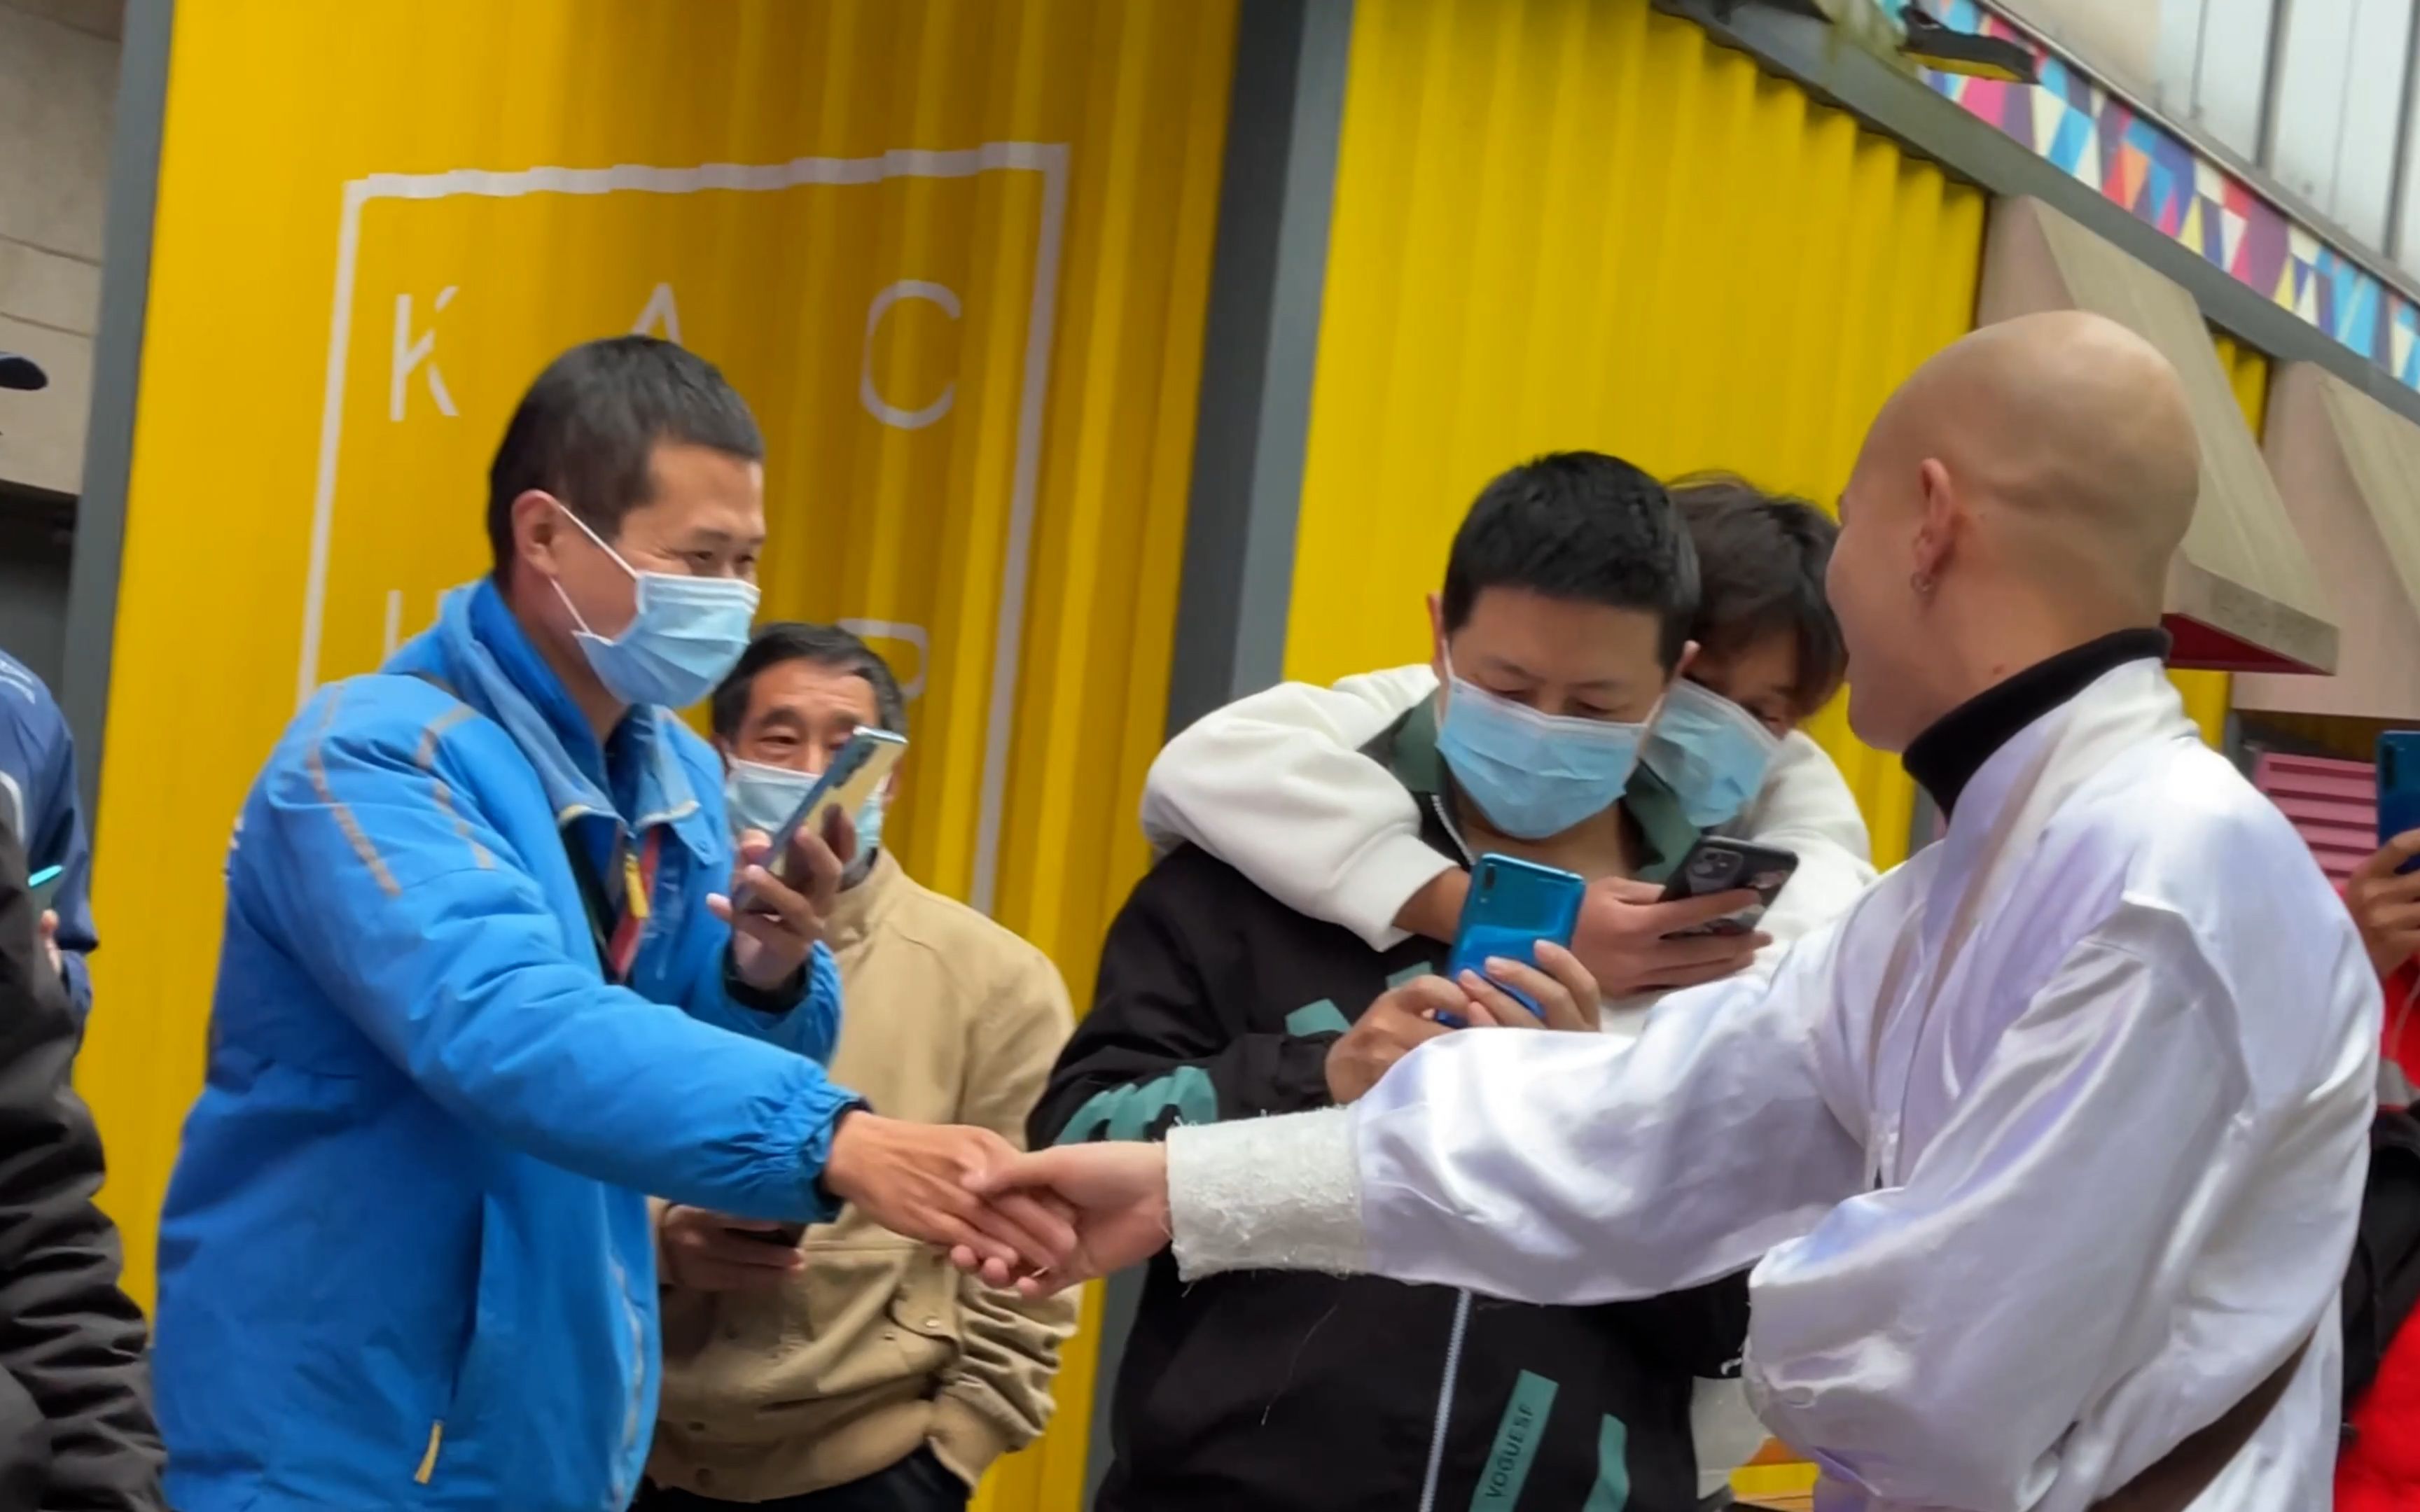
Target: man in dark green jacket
(1562, 623)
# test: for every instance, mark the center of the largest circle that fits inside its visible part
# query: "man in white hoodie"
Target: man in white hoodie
(1277, 786)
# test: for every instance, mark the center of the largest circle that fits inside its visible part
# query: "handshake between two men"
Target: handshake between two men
(1042, 1221)
(1097, 1208)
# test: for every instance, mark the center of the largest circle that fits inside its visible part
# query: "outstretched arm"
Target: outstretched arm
(1275, 785)
(426, 928)
(2050, 1212)
(1559, 1169)
(1545, 1167)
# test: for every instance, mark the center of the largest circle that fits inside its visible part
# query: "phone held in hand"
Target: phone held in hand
(2399, 787)
(855, 772)
(1716, 865)
(786, 1236)
(43, 887)
(1512, 905)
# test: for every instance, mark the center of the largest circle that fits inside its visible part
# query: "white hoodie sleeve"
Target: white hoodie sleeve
(1805, 807)
(1274, 786)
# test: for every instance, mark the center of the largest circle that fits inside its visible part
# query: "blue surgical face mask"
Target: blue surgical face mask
(1534, 775)
(1713, 752)
(684, 634)
(757, 796)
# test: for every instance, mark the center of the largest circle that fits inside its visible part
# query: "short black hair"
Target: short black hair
(1761, 562)
(825, 645)
(587, 430)
(1577, 525)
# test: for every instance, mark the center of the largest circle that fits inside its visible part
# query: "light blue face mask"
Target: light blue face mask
(1534, 775)
(684, 634)
(1713, 752)
(763, 797)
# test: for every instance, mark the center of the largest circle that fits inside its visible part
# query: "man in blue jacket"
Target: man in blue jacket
(484, 989)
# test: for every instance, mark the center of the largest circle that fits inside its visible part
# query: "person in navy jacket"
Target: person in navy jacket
(37, 788)
(37, 800)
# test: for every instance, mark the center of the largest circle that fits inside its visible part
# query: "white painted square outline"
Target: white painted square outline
(1048, 158)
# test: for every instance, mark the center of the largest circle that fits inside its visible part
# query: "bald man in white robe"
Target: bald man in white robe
(2051, 1150)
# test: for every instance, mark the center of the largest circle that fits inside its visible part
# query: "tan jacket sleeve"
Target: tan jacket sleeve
(997, 1397)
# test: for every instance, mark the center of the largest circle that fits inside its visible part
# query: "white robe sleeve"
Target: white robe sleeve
(1805, 807)
(1934, 1342)
(1551, 1168)
(1275, 785)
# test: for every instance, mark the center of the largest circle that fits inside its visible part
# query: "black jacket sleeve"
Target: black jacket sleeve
(70, 1342)
(1700, 1331)
(1168, 1041)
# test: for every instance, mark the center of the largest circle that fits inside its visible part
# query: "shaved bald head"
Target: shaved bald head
(2022, 493)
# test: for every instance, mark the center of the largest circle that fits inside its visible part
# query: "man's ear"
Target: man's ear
(1437, 661)
(1941, 523)
(538, 527)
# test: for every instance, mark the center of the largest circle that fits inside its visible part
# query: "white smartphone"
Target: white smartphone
(856, 771)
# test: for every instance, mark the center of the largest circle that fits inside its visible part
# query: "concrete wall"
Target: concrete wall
(58, 80)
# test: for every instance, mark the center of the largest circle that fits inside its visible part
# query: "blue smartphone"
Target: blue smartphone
(2399, 787)
(44, 885)
(1512, 905)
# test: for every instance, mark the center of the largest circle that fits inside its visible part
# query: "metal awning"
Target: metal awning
(2349, 469)
(2243, 595)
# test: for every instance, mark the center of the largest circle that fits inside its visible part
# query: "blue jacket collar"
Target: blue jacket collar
(478, 650)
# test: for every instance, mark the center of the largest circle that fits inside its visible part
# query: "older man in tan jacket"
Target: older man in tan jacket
(855, 1371)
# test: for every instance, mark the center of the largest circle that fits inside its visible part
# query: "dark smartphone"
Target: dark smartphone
(2399, 787)
(43, 887)
(787, 1236)
(1716, 865)
(1512, 905)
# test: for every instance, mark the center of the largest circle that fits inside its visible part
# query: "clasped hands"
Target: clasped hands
(1100, 1208)
(1042, 1221)
(1032, 1223)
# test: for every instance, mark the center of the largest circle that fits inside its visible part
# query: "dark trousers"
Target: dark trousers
(919, 1483)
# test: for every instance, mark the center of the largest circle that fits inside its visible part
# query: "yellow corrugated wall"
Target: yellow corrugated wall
(1580, 223)
(961, 275)
(2209, 696)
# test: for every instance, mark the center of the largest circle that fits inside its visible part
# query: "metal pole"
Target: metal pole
(1253, 422)
(116, 374)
